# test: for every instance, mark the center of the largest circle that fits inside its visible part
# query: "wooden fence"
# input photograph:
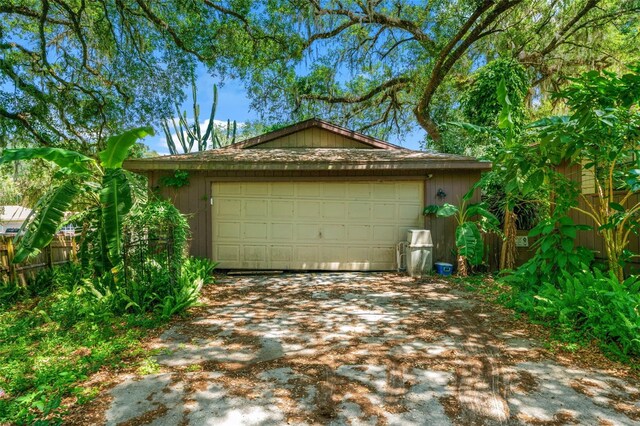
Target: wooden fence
(62, 250)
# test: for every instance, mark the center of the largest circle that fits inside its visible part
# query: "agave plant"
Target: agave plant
(103, 188)
(471, 219)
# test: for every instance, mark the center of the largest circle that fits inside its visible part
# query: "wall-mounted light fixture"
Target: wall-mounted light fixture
(441, 194)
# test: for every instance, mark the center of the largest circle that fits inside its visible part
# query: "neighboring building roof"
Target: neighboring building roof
(14, 213)
(245, 155)
(313, 123)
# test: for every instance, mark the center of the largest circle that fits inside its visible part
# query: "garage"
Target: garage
(310, 196)
(313, 225)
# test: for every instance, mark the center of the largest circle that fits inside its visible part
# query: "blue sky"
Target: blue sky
(233, 104)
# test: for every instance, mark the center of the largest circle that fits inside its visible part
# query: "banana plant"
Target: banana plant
(471, 219)
(103, 187)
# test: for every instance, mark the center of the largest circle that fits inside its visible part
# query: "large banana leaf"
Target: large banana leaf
(118, 146)
(46, 219)
(445, 210)
(469, 243)
(490, 222)
(74, 161)
(115, 197)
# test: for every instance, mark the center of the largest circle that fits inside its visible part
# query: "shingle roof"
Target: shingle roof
(307, 159)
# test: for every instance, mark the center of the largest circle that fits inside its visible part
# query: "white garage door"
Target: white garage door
(313, 225)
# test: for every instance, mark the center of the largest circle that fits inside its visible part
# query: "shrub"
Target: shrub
(592, 305)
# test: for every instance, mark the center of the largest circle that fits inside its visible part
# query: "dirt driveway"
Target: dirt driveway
(360, 349)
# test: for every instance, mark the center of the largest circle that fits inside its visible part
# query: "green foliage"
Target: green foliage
(469, 243)
(156, 220)
(588, 305)
(42, 226)
(195, 274)
(555, 252)
(481, 104)
(603, 135)
(470, 219)
(76, 325)
(179, 179)
(385, 67)
(74, 72)
(105, 193)
(115, 197)
(118, 146)
(74, 162)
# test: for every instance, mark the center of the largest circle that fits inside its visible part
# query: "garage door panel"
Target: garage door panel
(305, 232)
(384, 191)
(384, 233)
(255, 253)
(256, 208)
(308, 190)
(228, 208)
(306, 253)
(233, 190)
(334, 209)
(333, 232)
(313, 225)
(409, 212)
(385, 211)
(229, 230)
(334, 191)
(308, 209)
(359, 211)
(282, 231)
(228, 253)
(358, 254)
(283, 190)
(281, 253)
(333, 253)
(283, 209)
(359, 233)
(357, 191)
(261, 189)
(255, 231)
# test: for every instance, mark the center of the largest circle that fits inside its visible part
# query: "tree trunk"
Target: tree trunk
(508, 251)
(462, 266)
(427, 123)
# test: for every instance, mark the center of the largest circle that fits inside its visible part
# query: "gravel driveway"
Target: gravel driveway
(360, 349)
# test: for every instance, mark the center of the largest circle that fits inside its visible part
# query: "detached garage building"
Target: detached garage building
(312, 196)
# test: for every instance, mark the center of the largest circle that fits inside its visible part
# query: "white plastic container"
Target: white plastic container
(419, 237)
(419, 254)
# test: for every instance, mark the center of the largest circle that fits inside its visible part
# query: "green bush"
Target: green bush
(592, 305)
(563, 287)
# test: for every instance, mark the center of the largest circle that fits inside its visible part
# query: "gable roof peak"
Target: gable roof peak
(313, 123)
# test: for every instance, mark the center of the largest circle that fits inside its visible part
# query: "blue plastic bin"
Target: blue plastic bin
(443, 268)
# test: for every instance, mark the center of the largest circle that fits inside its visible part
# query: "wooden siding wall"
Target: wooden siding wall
(194, 199)
(592, 239)
(312, 138)
(443, 230)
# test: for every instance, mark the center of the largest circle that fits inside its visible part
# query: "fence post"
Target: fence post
(48, 256)
(10, 256)
(74, 249)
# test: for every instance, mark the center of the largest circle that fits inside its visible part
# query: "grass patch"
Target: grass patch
(51, 343)
(59, 330)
